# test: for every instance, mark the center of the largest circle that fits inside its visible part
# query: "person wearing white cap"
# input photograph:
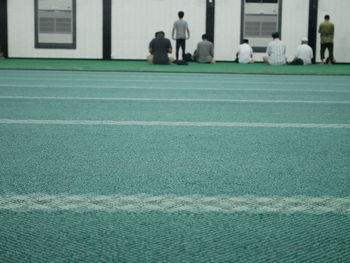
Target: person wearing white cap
(304, 54)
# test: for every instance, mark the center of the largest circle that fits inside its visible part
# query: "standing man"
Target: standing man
(276, 51)
(326, 31)
(245, 53)
(205, 51)
(159, 48)
(304, 54)
(180, 28)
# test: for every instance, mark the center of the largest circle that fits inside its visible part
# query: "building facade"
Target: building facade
(122, 29)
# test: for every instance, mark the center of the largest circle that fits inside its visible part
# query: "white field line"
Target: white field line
(140, 203)
(49, 86)
(180, 124)
(173, 100)
(179, 80)
(151, 75)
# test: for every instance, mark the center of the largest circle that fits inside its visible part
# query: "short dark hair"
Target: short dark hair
(275, 35)
(156, 34)
(245, 41)
(326, 17)
(204, 36)
(181, 14)
(160, 34)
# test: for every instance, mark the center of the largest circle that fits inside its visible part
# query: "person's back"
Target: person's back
(180, 29)
(276, 51)
(245, 53)
(326, 30)
(305, 53)
(205, 51)
(160, 46)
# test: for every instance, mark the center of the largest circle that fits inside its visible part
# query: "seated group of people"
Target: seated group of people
(276, 53)
(160, 47)
(276, 49)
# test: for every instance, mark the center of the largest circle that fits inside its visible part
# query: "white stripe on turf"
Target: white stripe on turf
(38, 86)
(157, 79)
(174, 203)
(174, 100)
(176, 123)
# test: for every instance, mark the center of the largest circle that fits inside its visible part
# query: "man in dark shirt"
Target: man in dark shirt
(159, 49)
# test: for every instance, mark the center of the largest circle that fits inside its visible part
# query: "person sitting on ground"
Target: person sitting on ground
(245, 53)
(205, 51)
(159, 48)
(276, 51)
(304, 54)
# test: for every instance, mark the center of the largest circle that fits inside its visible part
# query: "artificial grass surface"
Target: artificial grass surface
(66, 162)
(142, 66)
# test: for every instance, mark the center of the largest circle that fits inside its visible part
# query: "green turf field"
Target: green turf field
(192, 67)
(101, 166)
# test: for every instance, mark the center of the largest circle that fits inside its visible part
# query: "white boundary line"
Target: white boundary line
(173, 100)
(178, 80)
(180, 124)
(140, 203)
(169, 88)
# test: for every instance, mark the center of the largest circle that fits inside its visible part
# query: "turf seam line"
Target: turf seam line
(180, 124)
(270, 83)
(49, 86)
(172, 100)
(178, 80)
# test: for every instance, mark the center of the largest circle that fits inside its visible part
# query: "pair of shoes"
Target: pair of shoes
(330, 61)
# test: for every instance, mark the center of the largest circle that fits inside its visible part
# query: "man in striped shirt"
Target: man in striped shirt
(276, 51)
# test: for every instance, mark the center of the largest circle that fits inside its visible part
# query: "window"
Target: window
(55, 24)
(260, 18)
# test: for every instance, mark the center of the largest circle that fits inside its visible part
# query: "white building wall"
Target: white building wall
(134, 23)
(227, 28)
(295, 24)
(21, 33)
(339, 14)
(295, 15)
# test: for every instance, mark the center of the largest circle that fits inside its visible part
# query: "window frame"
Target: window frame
(39, 45)
(260, 49)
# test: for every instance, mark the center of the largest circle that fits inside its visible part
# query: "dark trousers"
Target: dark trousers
(328, 46)
(180, 43)
(297, 61)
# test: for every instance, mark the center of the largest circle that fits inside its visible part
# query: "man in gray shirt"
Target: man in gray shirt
(159, 48)
(180, 27)
(205, 51)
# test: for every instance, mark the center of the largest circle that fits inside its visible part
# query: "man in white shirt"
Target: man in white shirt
(276, 51)
(304, 54)
(245, 53)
